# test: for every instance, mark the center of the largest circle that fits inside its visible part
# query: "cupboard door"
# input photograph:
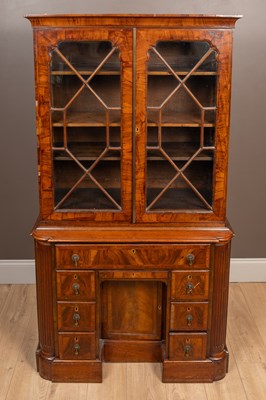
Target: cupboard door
(132, 310)
(87, 168)
(181, 125)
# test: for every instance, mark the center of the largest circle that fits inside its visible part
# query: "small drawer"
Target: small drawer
(184, 347)
(192, 285)
(75, 285)
(110, 256)
(189, 316)
(76, 346)
(76, 317)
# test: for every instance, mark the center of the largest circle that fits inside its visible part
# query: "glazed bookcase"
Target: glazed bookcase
(132, 242)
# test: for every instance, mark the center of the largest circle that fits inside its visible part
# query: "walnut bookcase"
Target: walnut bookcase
(132, 243)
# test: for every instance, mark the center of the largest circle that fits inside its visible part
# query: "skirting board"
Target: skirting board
(242, 270)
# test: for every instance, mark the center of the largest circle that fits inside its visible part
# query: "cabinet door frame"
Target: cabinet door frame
(221, 42)
(44, 41)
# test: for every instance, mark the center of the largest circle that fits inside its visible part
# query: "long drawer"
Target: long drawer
(122, 256)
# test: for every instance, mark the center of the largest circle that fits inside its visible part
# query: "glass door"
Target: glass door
(90, 131)
(178, 143)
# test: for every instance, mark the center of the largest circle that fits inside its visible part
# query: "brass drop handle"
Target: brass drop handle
(77, 349)
(75, 288)
(76, 318)
(75, 259)
(189, 288)
(189, 318)
(190, 259)
(187, 350)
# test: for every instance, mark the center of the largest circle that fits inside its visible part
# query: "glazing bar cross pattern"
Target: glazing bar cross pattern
(168, 69)
(87, 172)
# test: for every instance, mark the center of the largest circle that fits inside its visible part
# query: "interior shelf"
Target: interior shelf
(178, 120)
(91, 151)
(152, 72)
(88, 151)
(179, 152)
(85, 72)
(88, 199)
(177, 200)
(182, 73)
(83, 119)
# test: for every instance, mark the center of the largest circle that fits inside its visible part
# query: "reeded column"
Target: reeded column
(219, 300)
(45, 299)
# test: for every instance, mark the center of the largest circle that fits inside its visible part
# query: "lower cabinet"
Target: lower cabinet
(152, 304)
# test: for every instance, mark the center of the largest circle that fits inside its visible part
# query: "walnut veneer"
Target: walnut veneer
(132, 242)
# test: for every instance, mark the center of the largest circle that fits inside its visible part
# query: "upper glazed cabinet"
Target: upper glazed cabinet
(136, 123)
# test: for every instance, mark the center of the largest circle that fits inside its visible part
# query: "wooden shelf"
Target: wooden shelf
(88, 152)
(87, 199)
(182, 73)
(84, 72)
(152, 73)
(179, 152)
(178, 200)
(97, 120)
(83, 119)
(91, 151)
(179, 120)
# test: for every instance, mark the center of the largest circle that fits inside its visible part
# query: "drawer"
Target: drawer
(184, 347)
(110, 256)
(75, 285)
(76, 346)
(189, 316)
(192, 285)
(76, 317)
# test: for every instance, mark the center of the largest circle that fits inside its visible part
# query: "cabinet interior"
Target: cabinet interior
(87, 126)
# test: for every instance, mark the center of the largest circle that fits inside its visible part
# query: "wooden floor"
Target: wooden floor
(246, 342)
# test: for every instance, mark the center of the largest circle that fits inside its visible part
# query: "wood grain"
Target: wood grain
(124, 270)
(139, 256)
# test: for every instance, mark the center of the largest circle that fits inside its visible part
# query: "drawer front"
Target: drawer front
(184, 347)
(110, 256)
(75, 285)
(189, 316)
(76, 317)
(190, 285)
(76, 346)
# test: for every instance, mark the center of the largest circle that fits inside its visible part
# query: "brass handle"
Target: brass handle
(187, 350)
(190, 259)
(76, 318)
(77, 349)
(189, 318)
(189, 288)
(75, 259)
(75, 288)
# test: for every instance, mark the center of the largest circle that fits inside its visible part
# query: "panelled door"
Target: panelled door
(182, 109)
(84, 98)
